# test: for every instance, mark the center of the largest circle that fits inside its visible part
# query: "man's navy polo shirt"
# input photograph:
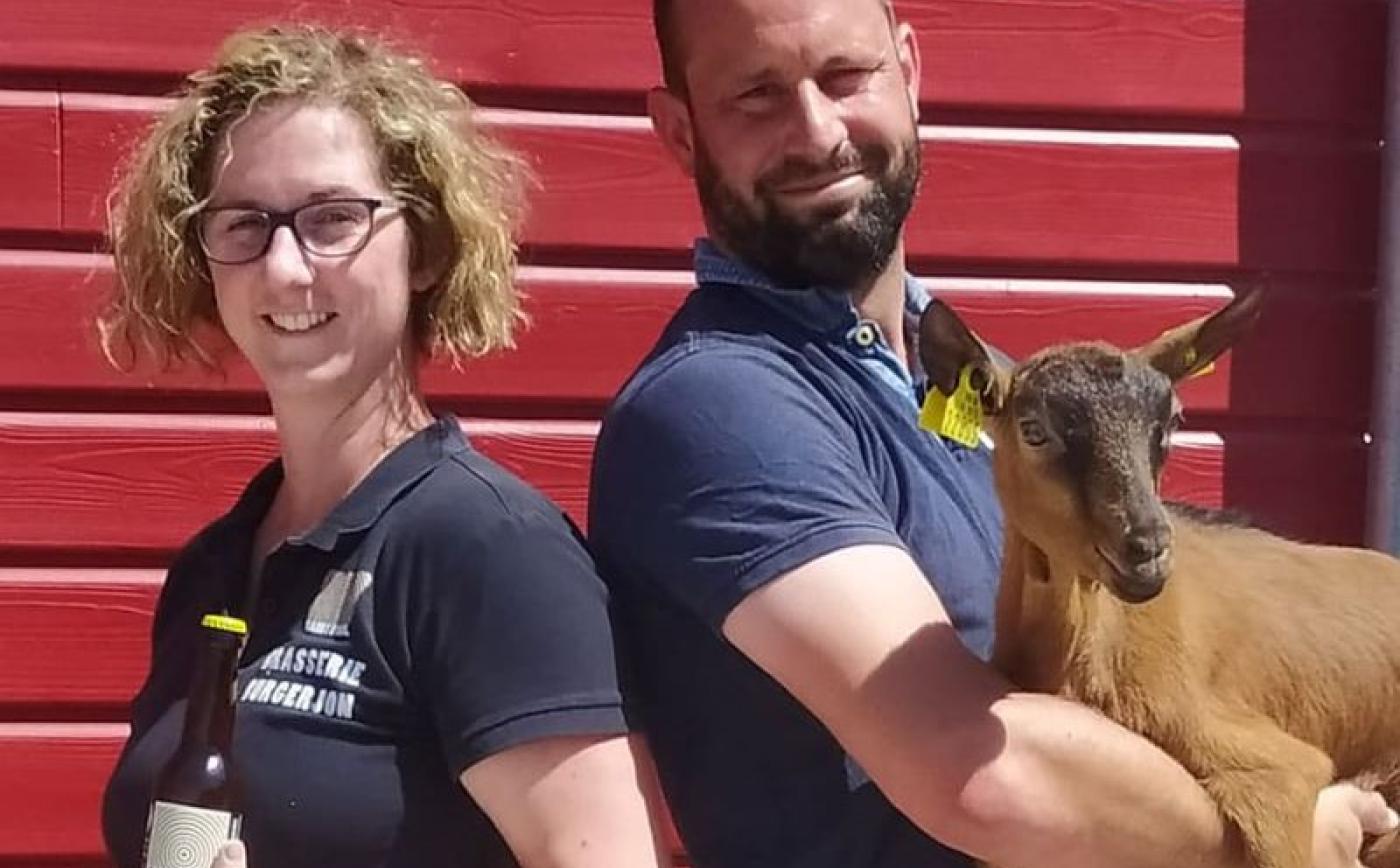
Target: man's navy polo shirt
(767, 428)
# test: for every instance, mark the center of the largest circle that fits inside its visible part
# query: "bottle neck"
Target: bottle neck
(209, 712)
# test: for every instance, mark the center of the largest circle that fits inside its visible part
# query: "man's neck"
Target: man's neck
(881, 299)
(882, 302)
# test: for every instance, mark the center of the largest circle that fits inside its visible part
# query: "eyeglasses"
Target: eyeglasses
(328, 227)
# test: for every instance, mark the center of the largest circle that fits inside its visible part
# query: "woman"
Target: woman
(422, 623)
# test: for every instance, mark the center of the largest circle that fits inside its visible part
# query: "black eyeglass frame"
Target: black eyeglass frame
(278, 219)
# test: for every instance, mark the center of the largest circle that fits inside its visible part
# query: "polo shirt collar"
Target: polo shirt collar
(819, 309)
(399, 471)
(409, 462)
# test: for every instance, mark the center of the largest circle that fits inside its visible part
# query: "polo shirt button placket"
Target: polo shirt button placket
(865, 335)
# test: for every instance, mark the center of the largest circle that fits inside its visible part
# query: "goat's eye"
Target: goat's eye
(1033, 433)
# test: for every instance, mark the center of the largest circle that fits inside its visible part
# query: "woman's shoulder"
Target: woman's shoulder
(469, 501)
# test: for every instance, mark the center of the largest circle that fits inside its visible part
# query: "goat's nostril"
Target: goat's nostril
(1145, 545)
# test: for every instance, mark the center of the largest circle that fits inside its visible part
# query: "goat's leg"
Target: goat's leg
(1264, 780)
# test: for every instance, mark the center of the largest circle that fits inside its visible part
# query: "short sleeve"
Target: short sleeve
(723, 471)
(511, 640)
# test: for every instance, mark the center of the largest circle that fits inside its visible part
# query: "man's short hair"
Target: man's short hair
(663, 19)
(663, 14)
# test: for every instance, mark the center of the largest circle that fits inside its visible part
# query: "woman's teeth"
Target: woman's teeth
(298, 322)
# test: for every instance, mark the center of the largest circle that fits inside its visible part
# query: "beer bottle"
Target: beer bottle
(195, 805)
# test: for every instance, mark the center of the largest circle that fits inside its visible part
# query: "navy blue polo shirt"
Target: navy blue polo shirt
(767, 428)
(442, 612)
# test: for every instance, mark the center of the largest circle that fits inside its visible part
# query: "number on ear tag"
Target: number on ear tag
(957, 416)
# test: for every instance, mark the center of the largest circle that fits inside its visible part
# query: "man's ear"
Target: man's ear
(670, 121)
(907, 51)
(947, 345)
(1188, 348)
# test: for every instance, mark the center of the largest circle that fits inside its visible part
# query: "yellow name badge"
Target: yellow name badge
(957, 416)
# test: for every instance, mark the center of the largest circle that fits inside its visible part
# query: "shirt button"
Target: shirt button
(865, 335)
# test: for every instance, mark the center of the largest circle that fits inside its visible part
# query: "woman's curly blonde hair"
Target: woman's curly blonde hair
(463, 191)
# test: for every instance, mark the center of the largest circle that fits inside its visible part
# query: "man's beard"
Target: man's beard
(839, 248)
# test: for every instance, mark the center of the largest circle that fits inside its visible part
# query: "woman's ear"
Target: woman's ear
(431, 251)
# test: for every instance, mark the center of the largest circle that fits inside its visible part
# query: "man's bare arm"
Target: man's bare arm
(1018, 779)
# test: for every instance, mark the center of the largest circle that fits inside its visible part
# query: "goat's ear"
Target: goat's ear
(1189, 348)
(947, 345)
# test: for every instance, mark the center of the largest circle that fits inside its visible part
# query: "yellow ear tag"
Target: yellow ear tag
(1191, 360)
(957, 416)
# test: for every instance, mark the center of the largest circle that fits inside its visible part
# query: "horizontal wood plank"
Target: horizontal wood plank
(141, 485)
(1302, 59)
(54, 775)
(588, 330)
(53, 617)
(590, 327)
(989, 194)
(29, 153)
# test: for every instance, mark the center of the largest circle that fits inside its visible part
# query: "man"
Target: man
(804, 577)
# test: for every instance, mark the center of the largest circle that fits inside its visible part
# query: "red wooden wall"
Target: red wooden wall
(1094, 168)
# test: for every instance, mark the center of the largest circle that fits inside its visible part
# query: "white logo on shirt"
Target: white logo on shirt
(335, 604)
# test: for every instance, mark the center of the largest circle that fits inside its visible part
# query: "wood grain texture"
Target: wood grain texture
(590, 328)
(143, 484)
(989, 195)
(53, 619)
(53, 776)
(1313, 59)
(29, 155)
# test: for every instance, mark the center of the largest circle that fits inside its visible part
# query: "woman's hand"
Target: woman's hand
(232, 855)
(1344, 813)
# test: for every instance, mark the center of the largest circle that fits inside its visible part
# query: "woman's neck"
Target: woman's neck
(328, 447)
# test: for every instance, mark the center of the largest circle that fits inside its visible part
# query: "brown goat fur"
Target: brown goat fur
(1267, 667)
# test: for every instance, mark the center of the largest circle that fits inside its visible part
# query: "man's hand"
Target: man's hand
(1344, 813)
(232, 855)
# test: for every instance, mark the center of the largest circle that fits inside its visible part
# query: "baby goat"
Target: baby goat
(1268, 668)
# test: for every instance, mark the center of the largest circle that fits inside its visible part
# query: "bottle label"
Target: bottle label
(183, 836)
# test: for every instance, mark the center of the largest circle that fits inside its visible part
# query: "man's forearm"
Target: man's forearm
(1071, 788)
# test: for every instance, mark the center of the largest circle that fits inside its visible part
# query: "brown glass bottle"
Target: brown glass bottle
(194, 809)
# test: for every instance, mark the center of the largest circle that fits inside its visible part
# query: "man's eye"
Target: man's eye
(844, 82)
(759, 94)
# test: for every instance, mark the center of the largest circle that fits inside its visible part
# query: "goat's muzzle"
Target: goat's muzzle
(1140, 571)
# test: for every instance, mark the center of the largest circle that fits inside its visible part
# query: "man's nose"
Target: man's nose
(818, 128)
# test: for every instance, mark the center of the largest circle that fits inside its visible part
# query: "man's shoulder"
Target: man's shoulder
(710, 371)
